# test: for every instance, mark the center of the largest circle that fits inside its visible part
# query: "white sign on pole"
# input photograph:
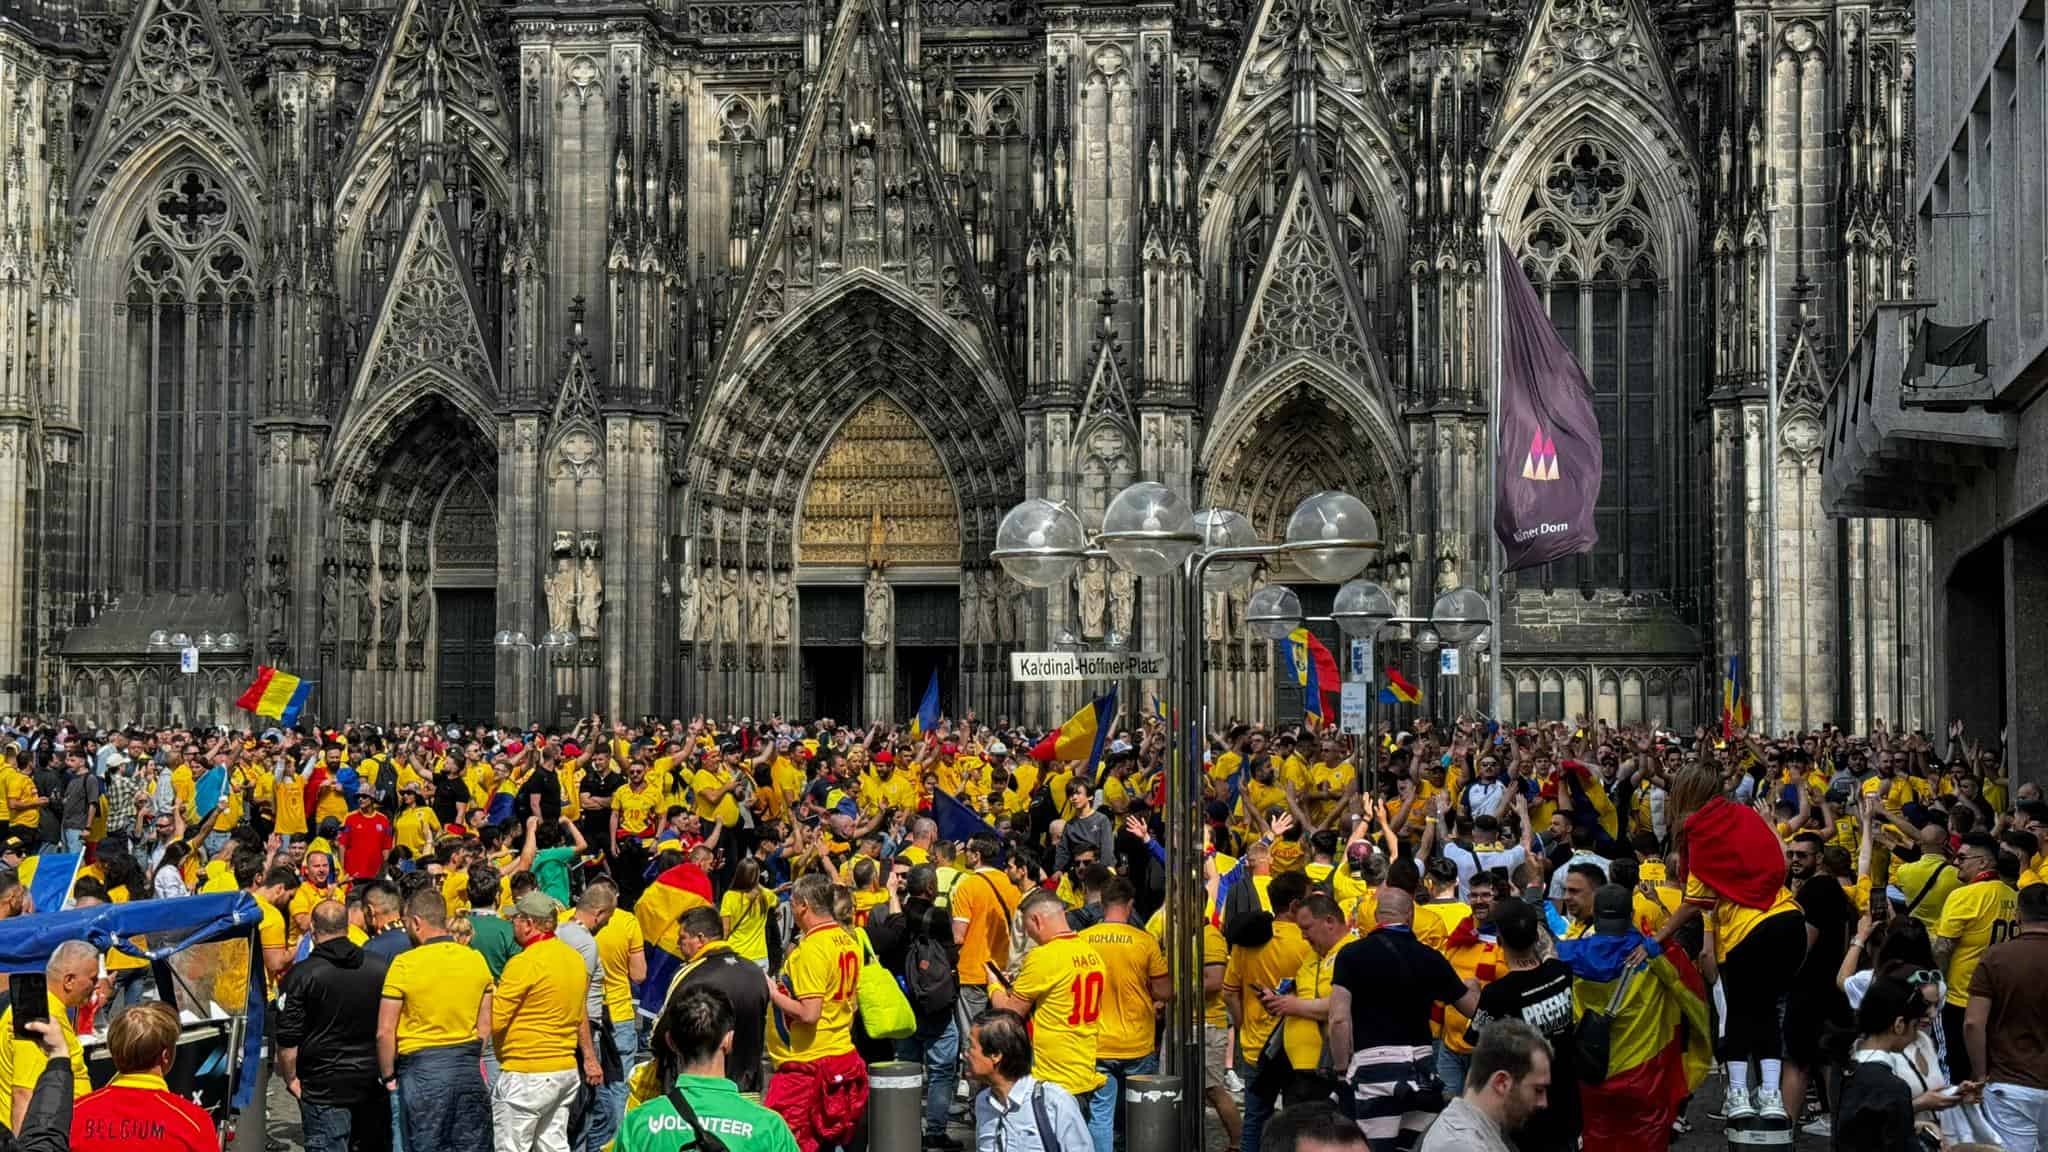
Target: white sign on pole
(188, 660)
(1038, 667)
(1352, 715)
(1447, 661)
(1361, 659)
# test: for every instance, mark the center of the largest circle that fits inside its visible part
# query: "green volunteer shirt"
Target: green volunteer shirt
(743, 1125)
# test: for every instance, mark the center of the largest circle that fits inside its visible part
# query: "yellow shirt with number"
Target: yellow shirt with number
(617, 941)
(535, 1010)
(1976, 916)
(1067, 983)
(439, 988)
(824, 965)
(1131, 957)
(638, 809)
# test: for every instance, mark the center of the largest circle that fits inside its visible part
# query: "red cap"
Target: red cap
(514, 747)
(885, 757)
(571, 750)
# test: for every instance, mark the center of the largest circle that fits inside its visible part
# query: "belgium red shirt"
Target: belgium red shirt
(137, 1111)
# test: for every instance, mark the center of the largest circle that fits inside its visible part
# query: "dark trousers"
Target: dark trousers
(443, 1103)
(1959, 1068)
(1756, 977)
(364, 1126)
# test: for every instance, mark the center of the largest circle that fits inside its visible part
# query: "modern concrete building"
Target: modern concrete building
(717, 337)
(1935, 415)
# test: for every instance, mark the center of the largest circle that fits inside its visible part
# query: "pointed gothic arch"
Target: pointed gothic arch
(754, 446)
(1304, 424)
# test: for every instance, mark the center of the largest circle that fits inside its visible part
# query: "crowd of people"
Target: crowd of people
(1464, 937)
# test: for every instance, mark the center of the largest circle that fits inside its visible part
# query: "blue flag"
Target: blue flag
(207, 791)
(928, 711)
(957, 822)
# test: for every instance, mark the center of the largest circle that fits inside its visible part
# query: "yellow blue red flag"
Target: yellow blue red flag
(1082, 735)
(1315, 670)
(277, 694)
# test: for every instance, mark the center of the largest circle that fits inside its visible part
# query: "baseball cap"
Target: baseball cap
(536, 905)
(998, 748)
(1613, 910)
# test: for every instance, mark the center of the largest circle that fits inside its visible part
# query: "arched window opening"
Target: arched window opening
(190, 315)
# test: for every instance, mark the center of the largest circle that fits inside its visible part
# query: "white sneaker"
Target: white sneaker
(1738, 1107)
(1770, 1105)
(1818, 1126)
(1232, 1082)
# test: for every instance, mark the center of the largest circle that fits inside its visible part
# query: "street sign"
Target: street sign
(1361, 659)
(1038, 667)
(1352, 715)
(188, 660)
(1447, 661)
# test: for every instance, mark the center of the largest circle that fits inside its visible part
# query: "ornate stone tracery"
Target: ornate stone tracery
(879, 495)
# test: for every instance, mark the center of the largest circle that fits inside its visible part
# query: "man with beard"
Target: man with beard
(1510, 1079)
(1816, 1001)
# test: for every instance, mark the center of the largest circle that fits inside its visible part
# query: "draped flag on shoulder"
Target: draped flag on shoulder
(276, 694)
(1547, 464)
(1399, 690)
(672, 894)
(1315, 671)
(927, 718)
(1660, 1044)
(1082, 736)
(49, 878)
(1734, 709)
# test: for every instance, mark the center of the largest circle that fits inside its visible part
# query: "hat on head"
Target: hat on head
(1613, 910)
(536, 905)
(998, 748)
(885, 757)
(14, 846)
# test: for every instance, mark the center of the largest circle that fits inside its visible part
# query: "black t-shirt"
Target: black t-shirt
(1542, 996)
(449, 792)
(1394, 958)
(744, 988)
(1828, 911)
(597, 822)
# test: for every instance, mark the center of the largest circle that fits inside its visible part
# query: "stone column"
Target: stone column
(519, 558)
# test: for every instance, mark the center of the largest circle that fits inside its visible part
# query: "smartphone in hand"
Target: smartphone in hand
(31, 995)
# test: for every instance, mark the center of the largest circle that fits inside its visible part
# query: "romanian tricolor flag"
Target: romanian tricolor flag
(1590, 801)
(1660, 1044)
(927, 718)
(1734, 709)
(1315, 671)
(276, 694)
(1082, 736)
(672, 894)
(1399, 690)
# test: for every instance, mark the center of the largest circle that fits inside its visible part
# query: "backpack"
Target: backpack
(1245, 923)
(930, 977)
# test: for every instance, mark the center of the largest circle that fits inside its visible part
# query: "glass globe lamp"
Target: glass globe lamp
(159, 639)
(1148, 530)
(180, 640)
(1332, 536)
(1225, 528)
(1273, 612)
(1428, 643)
(229, 641)
(1039, 542)
(1362, 608)
(1454, 605)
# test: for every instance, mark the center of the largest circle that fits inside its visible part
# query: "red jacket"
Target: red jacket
(137, 1111)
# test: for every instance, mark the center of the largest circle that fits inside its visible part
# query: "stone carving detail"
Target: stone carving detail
(877, 612)
(419, 611)
(760, 627)
(429, 321)
(176, 58)
(589, 586)
(707, 594)
(1303, 308)
(389, 610)
(1016, 611)
(252, 600)
(1123, 601)
(784, 611)
(1093, 584)
(729, 606)
(970, 609)
(466, 531)
(880, 472)
(330, 607)
(560, 585)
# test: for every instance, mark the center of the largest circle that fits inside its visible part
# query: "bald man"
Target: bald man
(1382, 1040)
(71, 971)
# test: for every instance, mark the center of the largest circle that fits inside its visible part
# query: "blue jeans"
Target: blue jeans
(940, 1056)
(364, 1126)
(442, 1100)
(610, 1105)
(1257, 1109)
(1451, 1068)
(74, 840)
(1120, 1073)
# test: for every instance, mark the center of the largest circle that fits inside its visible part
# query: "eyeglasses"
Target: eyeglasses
(1922, 977)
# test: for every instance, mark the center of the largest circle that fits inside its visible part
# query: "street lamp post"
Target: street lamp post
(555, 641)
(1149, 530)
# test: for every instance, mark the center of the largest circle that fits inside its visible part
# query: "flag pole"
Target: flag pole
(1493, 303)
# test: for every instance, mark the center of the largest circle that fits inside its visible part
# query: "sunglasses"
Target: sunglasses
(1922, 977)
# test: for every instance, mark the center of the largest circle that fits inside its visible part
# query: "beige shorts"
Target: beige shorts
(1215, 1054)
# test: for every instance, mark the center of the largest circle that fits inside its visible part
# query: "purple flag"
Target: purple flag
(1548, 470)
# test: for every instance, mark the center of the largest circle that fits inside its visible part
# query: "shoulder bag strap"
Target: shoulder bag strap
(704, 1141)
(1043, 1115)
(1933, 878)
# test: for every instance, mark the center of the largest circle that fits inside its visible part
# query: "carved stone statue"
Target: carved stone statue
(330, 602)
(365, 607)
(707, 605)
(876, 630)
(1094, 586)
(1123, 601)
(1240, 595)
(560, 589)
(1016, 611)
(252, 598)
(784, 611)
(878, 539)
(387, 607)
(970, 609)
(419, 612)
(991, 606)
(729, 605)
(686, 607)
(1215, 614)
(589, 595)
(758, 608)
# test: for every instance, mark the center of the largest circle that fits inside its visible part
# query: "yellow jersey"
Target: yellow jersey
(1067, 983)
(439, 986)
(539, 1001)
(22, 1061)
(1976, 916)
(1300, 1035)
(1131, 958)
(1734, 922)
(617, 941)
(1262, 967)
(824, 965)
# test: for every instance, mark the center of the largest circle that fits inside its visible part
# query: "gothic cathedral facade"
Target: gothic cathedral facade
(515, 361)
